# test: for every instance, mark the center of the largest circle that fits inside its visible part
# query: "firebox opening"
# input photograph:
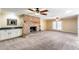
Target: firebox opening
(33, 29)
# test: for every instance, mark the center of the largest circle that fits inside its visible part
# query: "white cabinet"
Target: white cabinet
(3, 34)
(11, 33)
(16, 33)
(19, 32)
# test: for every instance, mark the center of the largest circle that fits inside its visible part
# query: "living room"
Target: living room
(39, 28)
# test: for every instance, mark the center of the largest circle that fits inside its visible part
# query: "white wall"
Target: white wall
(78, 26)
(10, 33)
(5, 15)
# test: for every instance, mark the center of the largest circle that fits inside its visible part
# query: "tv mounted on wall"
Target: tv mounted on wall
(11, 21)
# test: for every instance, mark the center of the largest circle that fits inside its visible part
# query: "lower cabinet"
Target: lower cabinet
(12, 33)
(3, 35)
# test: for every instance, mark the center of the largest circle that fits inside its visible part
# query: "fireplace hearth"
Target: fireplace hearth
(33, 29)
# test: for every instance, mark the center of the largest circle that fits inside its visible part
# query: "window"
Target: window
(57, 25)
(11, 22)
(54, 25)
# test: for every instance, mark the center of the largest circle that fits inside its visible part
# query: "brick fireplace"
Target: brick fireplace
(31, 24)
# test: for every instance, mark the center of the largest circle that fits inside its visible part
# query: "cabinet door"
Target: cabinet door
(10, 32)
(7, 34)
(3, 35)
(19, 32)
(0, 35)
(15, 33)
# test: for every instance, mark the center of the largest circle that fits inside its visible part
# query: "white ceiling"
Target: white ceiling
(61, 12)
(13, 9)
(52, 12)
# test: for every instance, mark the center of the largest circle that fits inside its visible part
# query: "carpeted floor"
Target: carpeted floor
(47, 40)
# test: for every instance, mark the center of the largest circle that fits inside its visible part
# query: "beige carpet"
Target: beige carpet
(47, 40)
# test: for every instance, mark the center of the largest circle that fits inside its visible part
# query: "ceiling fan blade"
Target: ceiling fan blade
(30, 9)
(44, 14)
(44, 11)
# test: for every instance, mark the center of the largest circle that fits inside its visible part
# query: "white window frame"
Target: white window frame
(57, 25)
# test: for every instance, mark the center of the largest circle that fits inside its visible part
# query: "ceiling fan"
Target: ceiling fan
(39, 10)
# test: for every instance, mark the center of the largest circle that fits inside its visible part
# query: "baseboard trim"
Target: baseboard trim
(62, 31)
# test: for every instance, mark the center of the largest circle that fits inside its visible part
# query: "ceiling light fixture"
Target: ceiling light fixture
(37, 14)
